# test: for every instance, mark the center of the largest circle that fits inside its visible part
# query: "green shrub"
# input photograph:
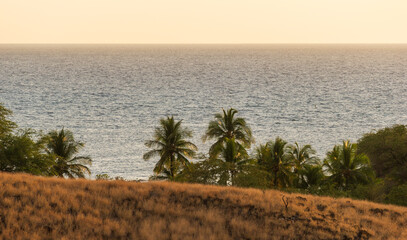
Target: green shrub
(103, 176)
(387, 151)
(375, 192)
(397, 195)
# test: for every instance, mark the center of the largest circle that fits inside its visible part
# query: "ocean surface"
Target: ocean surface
(112, 96)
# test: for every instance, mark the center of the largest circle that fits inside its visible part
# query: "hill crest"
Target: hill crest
(49, 208)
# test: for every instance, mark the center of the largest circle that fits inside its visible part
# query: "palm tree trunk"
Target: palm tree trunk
(172, 167)
(275, 179)
(232, 177)
(276, 170)
(346, 181)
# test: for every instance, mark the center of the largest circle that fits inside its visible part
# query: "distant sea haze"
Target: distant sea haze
(112, 96)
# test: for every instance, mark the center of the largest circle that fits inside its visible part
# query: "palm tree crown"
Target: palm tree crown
(345, 167)
(232, 159)
(63, 146)
(302, 157)
(310, 175)
(274, 158)
(170, 146)
(227, 126)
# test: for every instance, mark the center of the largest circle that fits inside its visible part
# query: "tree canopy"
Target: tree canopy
(6, 125)
(346, 171)
(226, 126)
(346, 168)
(387, 151)
(63, 146)
(25, 150)
(172, 148)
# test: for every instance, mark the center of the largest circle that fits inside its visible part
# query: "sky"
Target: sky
(203, 21)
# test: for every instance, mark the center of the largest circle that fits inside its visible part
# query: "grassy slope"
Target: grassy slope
(44, 208)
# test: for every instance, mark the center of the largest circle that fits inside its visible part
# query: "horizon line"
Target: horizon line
(260, 43)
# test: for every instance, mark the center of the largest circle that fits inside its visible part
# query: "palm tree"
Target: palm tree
(232, 159)
(346, 168)
(310, 175)
(164, 175)
(227, 126)
(274, 159)
(170, 146)
(63, 146)
(301, 156)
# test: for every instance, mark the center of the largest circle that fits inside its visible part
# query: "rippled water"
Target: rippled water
(111, 97)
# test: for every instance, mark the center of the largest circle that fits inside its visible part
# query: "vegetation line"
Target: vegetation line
(374, 168)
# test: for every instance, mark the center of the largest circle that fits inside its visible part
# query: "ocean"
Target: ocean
(112, 96)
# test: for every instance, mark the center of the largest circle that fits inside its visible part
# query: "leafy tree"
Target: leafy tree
(374, 191)
(251, 175)
(20, 153)
(346, 168)
(170, 146)
(64, 147)
(226, 126)
(273, 157)
(204, 172)
(398, 195)
(6, 125)
(387, 150)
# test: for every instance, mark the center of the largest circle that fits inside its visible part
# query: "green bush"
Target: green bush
(203, 172)
(375, 192)
(103, 176)
(253, 177)
(30, 152)
(397, 195)
(21, 153)
(387, 151)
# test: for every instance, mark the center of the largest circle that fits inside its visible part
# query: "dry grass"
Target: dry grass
(43, 208)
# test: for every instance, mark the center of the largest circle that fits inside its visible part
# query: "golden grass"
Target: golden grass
(49, 208)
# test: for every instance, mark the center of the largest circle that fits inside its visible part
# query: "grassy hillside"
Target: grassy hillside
(43, 208)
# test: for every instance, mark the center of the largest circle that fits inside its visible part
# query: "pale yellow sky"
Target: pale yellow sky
(203, 21)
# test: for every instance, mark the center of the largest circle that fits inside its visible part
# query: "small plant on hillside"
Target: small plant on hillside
(103, 176)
